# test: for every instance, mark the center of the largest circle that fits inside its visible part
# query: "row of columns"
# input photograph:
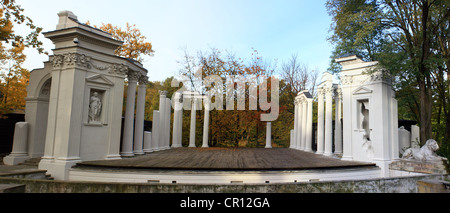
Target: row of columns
(134, 128)
(302, 133)
(325, 120)
(195, 99)
(159, 138)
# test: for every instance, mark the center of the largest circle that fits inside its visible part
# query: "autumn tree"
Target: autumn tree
(13, 77)
(134, 44)
(230, 126)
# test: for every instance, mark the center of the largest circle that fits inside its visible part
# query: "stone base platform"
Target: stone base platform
(224, 166)
(427, 167)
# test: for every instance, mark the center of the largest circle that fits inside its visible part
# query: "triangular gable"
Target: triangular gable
(361, 90)
(100, 79)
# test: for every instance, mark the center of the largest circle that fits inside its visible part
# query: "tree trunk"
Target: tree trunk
(425, 111)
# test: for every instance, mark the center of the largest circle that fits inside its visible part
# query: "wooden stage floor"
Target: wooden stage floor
(227, 159)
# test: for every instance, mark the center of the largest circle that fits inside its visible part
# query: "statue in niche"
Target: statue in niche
(365, 120)
(95, 108)
(367, 143)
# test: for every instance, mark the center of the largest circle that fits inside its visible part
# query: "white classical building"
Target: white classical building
(74, 104)
(369, 115)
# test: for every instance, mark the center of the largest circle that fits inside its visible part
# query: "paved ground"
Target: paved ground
(228, 159)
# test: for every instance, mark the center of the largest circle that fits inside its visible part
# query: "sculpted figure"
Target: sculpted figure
(426, 152)
(95, 108)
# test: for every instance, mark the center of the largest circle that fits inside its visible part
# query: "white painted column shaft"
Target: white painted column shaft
(320, 124)
(329, 122)
(127, 143)
(139, 121)
(193, 120)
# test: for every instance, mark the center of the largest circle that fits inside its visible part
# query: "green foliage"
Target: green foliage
(410, 40)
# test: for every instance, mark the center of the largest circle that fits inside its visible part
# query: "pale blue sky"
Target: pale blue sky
(277, 29)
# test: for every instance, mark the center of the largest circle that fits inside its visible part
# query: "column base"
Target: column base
(347, 158)
(58, 169)
(328, 154)
(127, 154)
(148, 150)
(113, 157)
(15, 159)
(140, 152)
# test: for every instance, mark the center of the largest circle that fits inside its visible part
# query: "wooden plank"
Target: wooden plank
(228, 159)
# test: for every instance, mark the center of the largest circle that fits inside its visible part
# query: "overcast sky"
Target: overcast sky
(277, 29)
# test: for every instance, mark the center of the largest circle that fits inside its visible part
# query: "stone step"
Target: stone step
(32, 162)
(12, 188)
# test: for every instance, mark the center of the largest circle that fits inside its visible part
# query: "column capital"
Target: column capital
(162, 94)
(133, 76)
(328, 91)
(320, 91)
(143, 80)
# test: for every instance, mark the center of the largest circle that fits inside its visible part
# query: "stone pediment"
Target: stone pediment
(100, 79)
(362, 90)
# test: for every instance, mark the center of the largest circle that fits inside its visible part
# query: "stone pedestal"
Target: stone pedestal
(428, 167)
(155, 131)
(19, 152)
(147, 142)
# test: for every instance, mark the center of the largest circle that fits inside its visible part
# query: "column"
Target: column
(206, 124)
(19, 152)
(269, 135)
(328, 122)
(309, 115)
(347, 129)
(155, 131)
(162, 119)
(139, 121)
(127, 140)
(193, 117)
(337, 121)
(180, 129)
(304, 118)
(299, 124)
(147, 142)
(167, 123)
(320, 120)
(177, 111)
(293, 141)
